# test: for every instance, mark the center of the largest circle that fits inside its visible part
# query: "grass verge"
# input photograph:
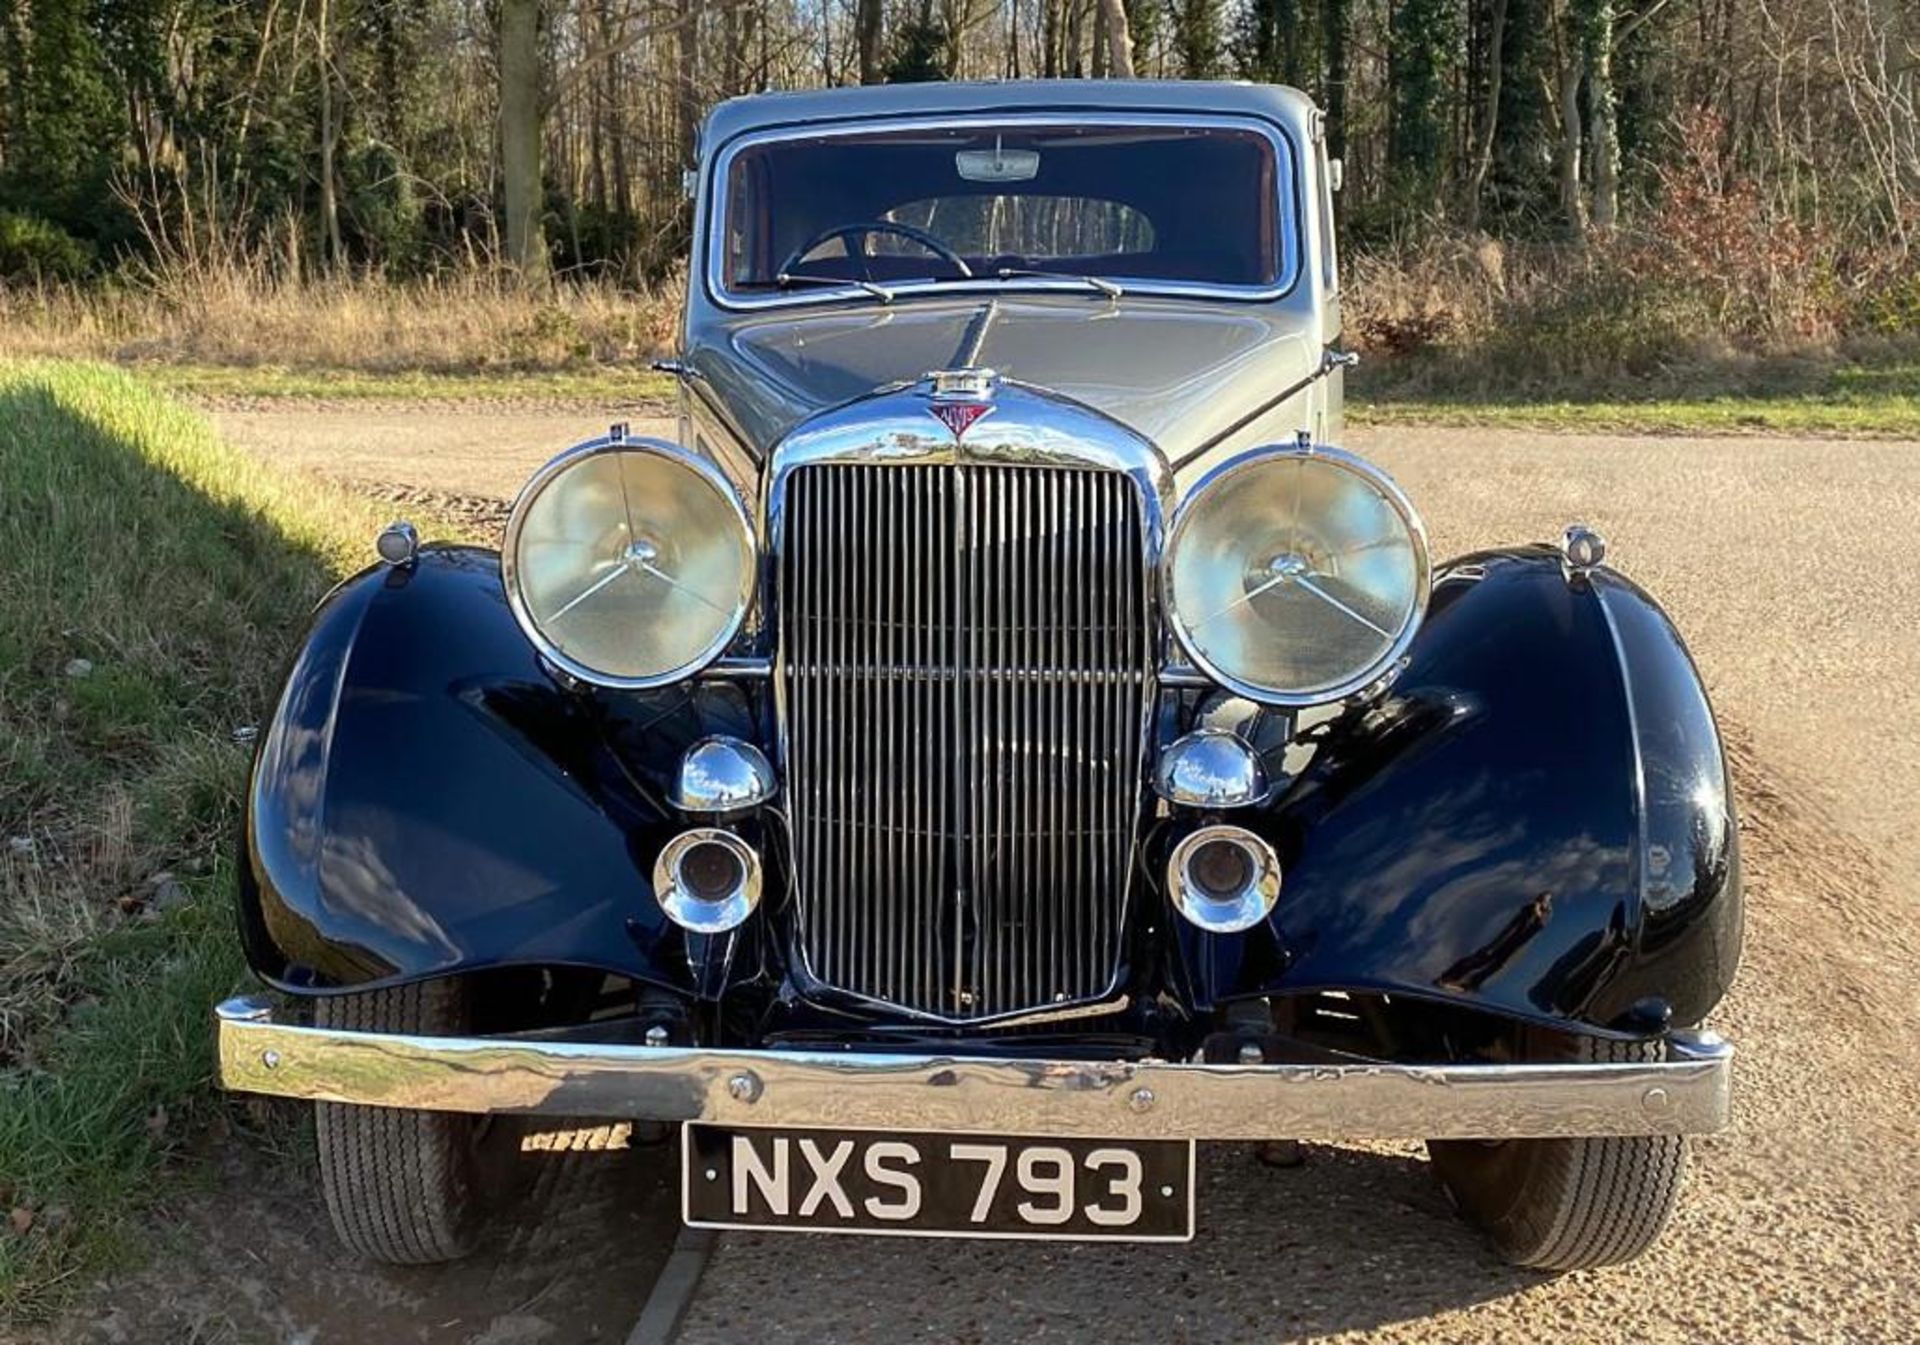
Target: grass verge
(1867, 398)
(278, 383)
(1890, 417)
(155, 581)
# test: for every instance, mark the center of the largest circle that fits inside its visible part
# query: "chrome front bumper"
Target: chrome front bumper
(1685, 1094)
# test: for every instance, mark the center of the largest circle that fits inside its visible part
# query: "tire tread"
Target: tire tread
(398, 1183)
(1570, 1204)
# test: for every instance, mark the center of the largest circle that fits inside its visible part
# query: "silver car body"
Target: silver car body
(1192, 369)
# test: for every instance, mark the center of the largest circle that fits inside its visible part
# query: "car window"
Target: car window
(1166, 202)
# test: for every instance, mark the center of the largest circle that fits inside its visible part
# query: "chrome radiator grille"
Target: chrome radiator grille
(966, 668)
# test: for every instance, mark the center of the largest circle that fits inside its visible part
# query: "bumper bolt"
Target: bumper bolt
(744, 1087)
(1655, 1100)
(1251, 1054)
(271, 1059)
(657, 1035)
(1141, 1100)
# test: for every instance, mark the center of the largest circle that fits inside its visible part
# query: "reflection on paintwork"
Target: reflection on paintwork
(1478, 837)
(1471, 837)
(1175, 371)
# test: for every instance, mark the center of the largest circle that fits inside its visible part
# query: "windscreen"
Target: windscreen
(1197, 205)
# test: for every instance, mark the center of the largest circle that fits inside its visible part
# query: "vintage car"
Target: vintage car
(999, 742)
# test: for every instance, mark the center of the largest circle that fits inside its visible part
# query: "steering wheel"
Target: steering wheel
(861, 229)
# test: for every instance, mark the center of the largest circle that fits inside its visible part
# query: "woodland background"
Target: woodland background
(1611, 189)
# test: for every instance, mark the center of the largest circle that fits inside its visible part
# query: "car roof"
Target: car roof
(962, 98)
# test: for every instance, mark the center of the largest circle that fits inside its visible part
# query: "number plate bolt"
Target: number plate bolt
(744, 1087)
(1141, 1100)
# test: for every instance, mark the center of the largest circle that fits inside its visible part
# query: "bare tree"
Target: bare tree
(520, 118)
(866, 36)
(1597, 39)
(1490, 118)
(687, 80)
(329, 141)
(1119, 39)
(1880, 86)
(1564, 93)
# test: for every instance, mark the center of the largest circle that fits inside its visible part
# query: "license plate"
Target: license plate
(937, 1185)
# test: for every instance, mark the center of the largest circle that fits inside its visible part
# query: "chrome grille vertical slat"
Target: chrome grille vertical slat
(965, 657)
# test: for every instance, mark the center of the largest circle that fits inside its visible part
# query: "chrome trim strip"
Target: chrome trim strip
(1689, 1094)
(740, 667)
(1288, 162)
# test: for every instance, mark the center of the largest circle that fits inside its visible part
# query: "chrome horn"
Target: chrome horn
(707, 880)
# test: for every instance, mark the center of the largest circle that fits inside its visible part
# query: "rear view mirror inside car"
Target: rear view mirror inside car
(998, 164)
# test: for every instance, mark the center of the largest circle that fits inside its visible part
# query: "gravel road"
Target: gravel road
(1792, 570)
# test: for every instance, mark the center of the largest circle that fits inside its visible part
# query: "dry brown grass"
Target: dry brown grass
(240, 315)
(1462, 318)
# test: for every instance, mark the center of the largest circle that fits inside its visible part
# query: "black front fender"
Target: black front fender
(1537, 822)
(429, 798)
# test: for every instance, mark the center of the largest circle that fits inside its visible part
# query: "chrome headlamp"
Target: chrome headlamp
(629, 562)
(1296, 576)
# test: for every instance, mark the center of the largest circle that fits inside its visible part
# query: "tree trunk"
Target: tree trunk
(866, 36)
(520, 136)
(1334, 16)
(1603, 150)
(1119, 39)
(687, 35)
(329, 143)
(1419, 39)
(1490, 122)
(1572, 208)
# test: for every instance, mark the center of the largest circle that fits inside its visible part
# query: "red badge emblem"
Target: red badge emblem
(958, 416)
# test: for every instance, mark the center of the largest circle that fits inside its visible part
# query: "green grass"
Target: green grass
(1885, 417)
(1860, 401)
(155, 581)
(1878, 399)
(273, 382)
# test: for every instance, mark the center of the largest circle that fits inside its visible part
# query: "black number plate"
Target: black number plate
(937, 1185)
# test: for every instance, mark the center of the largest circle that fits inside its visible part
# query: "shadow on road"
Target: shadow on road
(574, 1242)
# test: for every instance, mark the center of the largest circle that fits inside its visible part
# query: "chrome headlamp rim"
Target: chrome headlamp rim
(571, 457)
(1365, 677)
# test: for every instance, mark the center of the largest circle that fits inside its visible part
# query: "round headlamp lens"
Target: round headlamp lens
(630, 563)
(1296, 576)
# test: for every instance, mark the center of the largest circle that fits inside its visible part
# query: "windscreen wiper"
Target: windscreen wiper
(1106, 287)
(786, 280)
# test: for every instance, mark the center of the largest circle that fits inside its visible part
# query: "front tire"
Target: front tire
(1569, 1204)
(399, 1183)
